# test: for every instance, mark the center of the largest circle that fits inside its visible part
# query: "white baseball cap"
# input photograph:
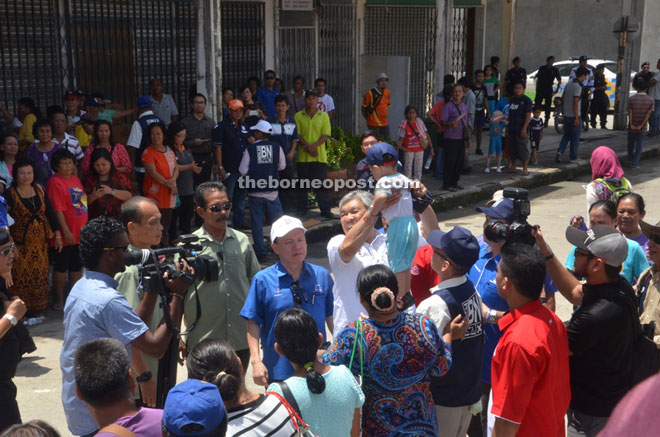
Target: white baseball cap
(283, 226)
(382, 76)
(263, 126)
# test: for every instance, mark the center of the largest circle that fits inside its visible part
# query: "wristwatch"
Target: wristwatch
(146, 376)
(12, 319)
(491, 318)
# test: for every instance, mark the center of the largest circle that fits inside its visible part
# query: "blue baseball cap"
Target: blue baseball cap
(376, 152)
(144, 102)
(501, 209)
(193, 407)
(459, 245)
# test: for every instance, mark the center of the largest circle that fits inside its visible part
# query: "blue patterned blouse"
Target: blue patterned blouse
(398, 358)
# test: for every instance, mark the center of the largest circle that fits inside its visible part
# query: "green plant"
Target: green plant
(341, 149)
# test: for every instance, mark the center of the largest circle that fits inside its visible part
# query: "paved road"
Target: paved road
(39, 377)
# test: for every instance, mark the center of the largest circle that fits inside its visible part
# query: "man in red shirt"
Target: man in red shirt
(530, 374)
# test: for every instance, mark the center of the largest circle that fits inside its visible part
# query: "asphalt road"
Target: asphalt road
(39, 378)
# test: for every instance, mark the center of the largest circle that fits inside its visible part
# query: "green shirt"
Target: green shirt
(222, 300)
(129, 286)
(311, 129)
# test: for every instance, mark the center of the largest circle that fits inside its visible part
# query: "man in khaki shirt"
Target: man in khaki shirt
(648, 284)
(221, 300)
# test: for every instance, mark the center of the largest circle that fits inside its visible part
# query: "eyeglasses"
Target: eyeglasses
(217, 207)
(443, 256)
(116, 247)
(299, 294)
(7, 250)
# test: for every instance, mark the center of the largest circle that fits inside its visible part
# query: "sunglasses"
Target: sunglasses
(116, 247)
(299, 294)
(217, 207)
(7, 250)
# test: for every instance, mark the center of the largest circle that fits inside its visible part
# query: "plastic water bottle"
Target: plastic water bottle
(427, 164)
(34, 321)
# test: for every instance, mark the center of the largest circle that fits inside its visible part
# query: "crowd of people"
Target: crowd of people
(434, 333)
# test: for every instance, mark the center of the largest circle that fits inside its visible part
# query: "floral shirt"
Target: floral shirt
(400, 356)
(107, 205)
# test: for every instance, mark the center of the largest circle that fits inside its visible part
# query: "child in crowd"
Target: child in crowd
(497, 125)
(402, 232)
(328, 396)
(535, 133)
(413, 139)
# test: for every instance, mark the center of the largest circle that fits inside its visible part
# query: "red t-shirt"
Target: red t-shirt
(422, 276)
(412, 134)
(530, 374)
(68, 197)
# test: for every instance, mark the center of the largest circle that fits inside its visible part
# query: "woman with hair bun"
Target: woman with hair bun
(395, 354)
(216, 362)
(329, 397)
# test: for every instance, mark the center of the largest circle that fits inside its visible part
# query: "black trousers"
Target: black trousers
(544, 95)
(182, 217)
(288, 196)
(9, 414)
(584, 108)
(599, 107)
(311, 171)
(454, 158)
(204, 160)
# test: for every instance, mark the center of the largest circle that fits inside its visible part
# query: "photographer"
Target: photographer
(95, 309)
(141, 217)
(223, 298)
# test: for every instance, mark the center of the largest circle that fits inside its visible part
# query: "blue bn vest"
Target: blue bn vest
(264, 162)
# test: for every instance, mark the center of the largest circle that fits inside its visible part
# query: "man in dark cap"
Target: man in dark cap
(587, 86)
(514, 75)
(601, 102)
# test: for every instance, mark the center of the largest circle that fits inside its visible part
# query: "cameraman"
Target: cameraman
(141, 217)
(95, 309)
(482, 274)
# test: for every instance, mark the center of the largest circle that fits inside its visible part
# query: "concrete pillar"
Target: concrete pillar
(479, 59)
(507, 52)
(209, 59)
(624, 65)
(648, 13)
(444, 10)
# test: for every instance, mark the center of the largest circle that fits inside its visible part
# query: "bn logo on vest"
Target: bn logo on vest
(264, 154)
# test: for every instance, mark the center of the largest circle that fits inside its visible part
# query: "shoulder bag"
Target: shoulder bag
(289, 402)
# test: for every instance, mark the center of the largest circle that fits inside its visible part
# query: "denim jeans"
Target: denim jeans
(635, 140)
(260, 206)
(572, 135)
(654, 121)
(439, 162)
(237, 197)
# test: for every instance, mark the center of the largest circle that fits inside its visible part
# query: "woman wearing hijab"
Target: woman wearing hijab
(607, 180)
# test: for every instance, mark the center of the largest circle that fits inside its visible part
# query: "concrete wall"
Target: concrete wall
(561, 28)
(648, 45)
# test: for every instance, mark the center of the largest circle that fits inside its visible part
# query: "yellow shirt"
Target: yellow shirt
(311, 129)
(25, 137)
(83, 137)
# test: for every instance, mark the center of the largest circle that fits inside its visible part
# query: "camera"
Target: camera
(152, 269)
(520, 231)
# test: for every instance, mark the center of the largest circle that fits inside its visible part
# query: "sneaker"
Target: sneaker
(487, 170)
(478, 152)
(558, 157)
(499, 170)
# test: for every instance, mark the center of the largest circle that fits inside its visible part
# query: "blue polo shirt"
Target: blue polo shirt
(267, 97)
(234, 140)
(284, 133)
(482, 274)
(270, 294)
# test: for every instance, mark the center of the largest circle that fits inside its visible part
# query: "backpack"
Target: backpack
(612, 188)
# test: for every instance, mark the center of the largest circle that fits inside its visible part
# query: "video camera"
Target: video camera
(520, 231)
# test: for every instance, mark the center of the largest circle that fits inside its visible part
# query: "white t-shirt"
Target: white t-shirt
(347, 306)
(326, 103)
(265, 416)
(397, 181)
(654, 91)
(165, 109)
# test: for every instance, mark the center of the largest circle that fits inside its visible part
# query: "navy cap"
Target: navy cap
(459, 245)
(582, 58)
(376, 152)
(91, 101)
(144, 102)
(311, 92)
(193, 402)
(502, 209)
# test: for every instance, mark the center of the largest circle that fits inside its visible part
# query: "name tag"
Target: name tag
(277, 129)
(289, 128)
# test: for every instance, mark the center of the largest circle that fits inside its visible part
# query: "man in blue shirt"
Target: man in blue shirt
(285, 132)
(95, 309)
(267, 93)
(290, 283)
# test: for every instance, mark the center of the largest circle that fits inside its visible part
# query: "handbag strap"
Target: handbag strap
(458, 108)
(414, 130)
(117, 429)
(291, 400)
(298, 423)
(376, 102)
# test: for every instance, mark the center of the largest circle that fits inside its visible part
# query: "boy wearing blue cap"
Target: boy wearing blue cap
(455, 298)
(402, 231)
(194, 407)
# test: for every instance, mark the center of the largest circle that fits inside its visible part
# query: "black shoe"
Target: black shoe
(478, 152)
(329, 215)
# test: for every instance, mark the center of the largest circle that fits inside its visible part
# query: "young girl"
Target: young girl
(535, 133)
(328, 396)
(497, 124)
(491, 83)
(413, 140)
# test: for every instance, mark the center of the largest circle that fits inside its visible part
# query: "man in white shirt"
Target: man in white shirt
(654, 93)
(360, 246)
(326, 103)
(163, 104)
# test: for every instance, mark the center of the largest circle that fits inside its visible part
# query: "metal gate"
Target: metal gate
(297, 54)
(410, 32)
(243, 41)
(459, 33)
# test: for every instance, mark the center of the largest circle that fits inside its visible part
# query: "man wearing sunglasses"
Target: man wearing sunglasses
(648, 284)
(95, 309)
(223, 299)
(267, 93)
(602, 331)
(291, 283)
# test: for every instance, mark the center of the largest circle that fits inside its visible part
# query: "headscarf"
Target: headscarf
(605, 164)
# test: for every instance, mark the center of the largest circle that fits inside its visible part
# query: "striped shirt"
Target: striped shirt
(638, 106)
(265, 417)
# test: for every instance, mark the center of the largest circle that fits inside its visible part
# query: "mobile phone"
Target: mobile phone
(325, 346)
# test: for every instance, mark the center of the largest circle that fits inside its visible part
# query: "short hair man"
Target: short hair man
(645, 73)
(163, 104)
(285, 131)
(587, 86)
(267, 93)
(600, 332)
(296, 96)
(571, 113)
(194, 408)
(545, 80)
(375, 105)
(520, 113)
(261, 165)
(454, 252)
(654, 93)
(138, 139)
(95, 309)
(514, 75)
(640, 107)
(223, 299)
(291, 282)
(601, 102)
(531, 388)
(325, 102)
(199, 130)
(648, 284)
(104, 382)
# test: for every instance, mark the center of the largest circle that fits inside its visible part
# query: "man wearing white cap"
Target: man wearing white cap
(261, 164)
(290, 283)
(602, 331)
(375, 106)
